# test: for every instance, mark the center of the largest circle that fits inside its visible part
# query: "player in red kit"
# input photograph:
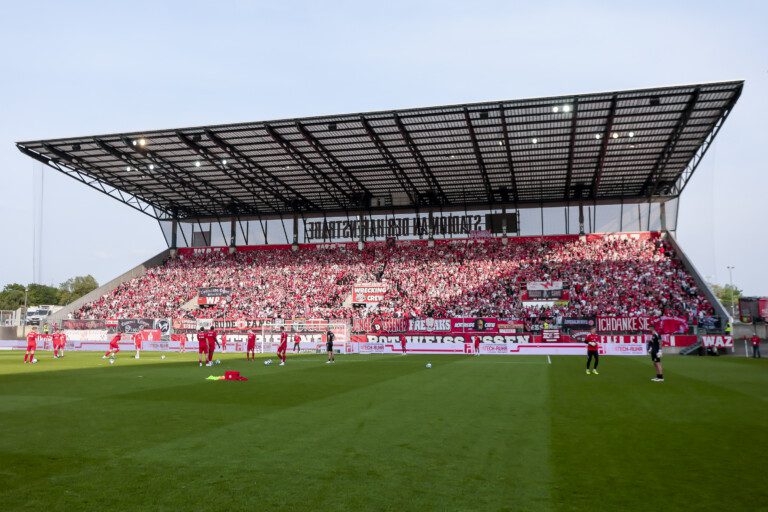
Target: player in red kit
(56, 342)
(223, 342)
(202, 346)
(250, 347)
(114, 348)
(283, 346)
(62, 343)
(212, 343)
(137, 343)
(183, 344)
(296, 342)
(593, 346)
(29, 355)
(477, 345)
(755, 346)
(402, 344)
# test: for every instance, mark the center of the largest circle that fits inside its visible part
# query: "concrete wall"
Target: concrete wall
(8, 333)
(741, 330)
(96, 294)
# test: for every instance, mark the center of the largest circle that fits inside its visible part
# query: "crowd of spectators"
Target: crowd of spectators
(609, 275)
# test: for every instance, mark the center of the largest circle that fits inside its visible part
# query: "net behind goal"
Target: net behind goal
(312, 334)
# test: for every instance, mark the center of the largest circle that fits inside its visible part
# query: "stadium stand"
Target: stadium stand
(614, 161)
(604, 275)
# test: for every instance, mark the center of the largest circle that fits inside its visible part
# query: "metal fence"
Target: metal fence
(9, 318)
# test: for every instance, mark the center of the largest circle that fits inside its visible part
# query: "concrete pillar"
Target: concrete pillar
(295, 245)
(174, 232)
(360, 232)
(431, 239)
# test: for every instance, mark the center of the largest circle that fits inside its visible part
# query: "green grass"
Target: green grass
(382, 433)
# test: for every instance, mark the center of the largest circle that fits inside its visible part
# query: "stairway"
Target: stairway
(691, 349)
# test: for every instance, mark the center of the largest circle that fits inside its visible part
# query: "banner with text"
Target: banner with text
(666, 325)
(368, 293)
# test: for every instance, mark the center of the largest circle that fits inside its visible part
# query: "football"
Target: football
(162, 357)
(218, 361)
(34, 360)
(111, 361)
(429, 365)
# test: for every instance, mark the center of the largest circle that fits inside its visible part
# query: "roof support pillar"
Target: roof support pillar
(174, 234)
(581, 218)
(504, 221)
(504, 225)
(621, 216)
(232, 234)
(431, 220)
(295, 231)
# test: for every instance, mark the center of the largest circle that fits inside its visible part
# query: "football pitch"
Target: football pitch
(382, 433)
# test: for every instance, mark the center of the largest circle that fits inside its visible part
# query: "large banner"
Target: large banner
(717, 341)
(86, 335)
(429, 324)
(474, 325)
(83, 324)
(378, 324)
(368, 293)
(309, 342)
(134, 325)
(214, 291)
(221, 324)
(402, 226)
(578, 322)
(500, 345)
(640, 323)
(201, 251)
(510, 325)
(212, 295)
(623, 323)
(544, 289)
(162, 325)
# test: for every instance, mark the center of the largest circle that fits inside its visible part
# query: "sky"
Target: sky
(83, 68)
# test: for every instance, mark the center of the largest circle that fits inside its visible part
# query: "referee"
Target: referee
(654, 349)
(329, 347)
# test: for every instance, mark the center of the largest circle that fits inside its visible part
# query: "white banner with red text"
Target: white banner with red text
(498, 344)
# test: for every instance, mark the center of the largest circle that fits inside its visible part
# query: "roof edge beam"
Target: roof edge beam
(479, 156)
(604, 146)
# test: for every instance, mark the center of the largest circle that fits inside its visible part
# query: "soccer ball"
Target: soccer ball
(162, 357)
(111, 361)
(267, 362)
(34, 360)
(218, 361)
(429, 365)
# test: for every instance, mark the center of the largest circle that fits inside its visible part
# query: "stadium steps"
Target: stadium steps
(701, 283)
(191, 304)
(690, 349)
(138, 270)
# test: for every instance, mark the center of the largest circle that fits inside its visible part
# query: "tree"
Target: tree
(42, 294)
(727, 295)
(12, 296)
(75, 287)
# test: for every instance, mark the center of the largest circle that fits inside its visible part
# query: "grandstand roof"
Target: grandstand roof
(632, 145)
